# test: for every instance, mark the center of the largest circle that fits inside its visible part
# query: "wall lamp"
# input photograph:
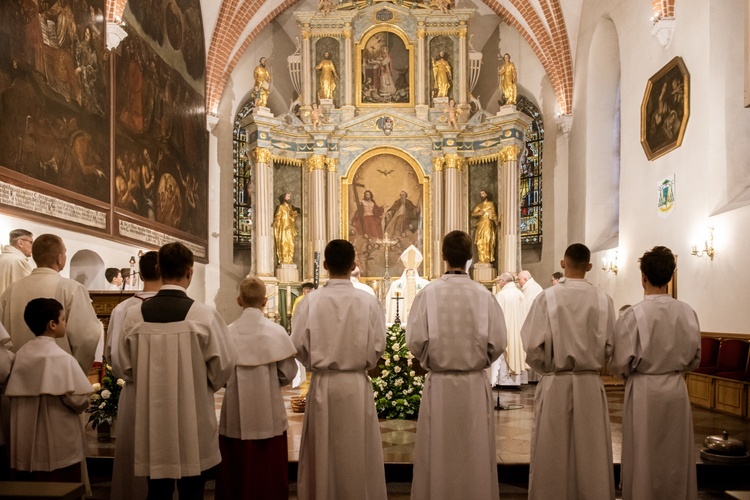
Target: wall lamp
(610, 265)
(708, 246)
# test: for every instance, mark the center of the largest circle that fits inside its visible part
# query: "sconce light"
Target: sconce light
(708, 246)
(132, 260)
(611, 265)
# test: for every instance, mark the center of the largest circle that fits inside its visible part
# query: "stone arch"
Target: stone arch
(87, 268)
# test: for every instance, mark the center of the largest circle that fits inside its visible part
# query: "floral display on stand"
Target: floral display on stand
(398, 389)
(105, 399)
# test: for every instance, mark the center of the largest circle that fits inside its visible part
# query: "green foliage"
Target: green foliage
(106, 398)
(398, 389)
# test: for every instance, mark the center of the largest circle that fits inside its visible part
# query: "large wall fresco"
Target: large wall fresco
(54, 96)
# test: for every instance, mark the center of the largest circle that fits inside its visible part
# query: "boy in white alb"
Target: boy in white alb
(48, 392)
(252, 428)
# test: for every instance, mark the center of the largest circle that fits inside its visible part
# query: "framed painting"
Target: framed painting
(665, 109)
(385, 68)
(384, 204)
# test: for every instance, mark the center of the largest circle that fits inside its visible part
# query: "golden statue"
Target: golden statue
(508, 80)
(441, 71)
(486, 233)
(284, 229)
(328, 77)
(262, 83)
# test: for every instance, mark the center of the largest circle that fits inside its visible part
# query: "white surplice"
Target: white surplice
(14, 265)
(568, 338)
(84, 329)
(48, 392)
(253, 407)
(456, 330)
(179, 365)
(339, 334)
(531, 289)
(361, 286)
(509, 368)
(656, 342)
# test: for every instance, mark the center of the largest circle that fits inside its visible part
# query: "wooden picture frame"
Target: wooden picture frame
(385, 68)
(665, 109)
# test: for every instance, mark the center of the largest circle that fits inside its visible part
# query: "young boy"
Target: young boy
(656, 342)
(48, 392)
(252, 428)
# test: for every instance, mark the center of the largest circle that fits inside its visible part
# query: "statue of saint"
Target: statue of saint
(441, 71)
(284, 229)
(262, 83)
(328, 77)
(508, 79)
(486, 233)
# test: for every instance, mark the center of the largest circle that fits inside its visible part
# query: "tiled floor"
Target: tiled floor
(513, 433)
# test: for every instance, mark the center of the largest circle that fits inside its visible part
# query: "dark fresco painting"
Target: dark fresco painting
(161, 144)
(54, 94)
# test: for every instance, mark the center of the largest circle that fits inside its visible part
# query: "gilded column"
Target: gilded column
(264, 251)
(306, 67)
(420, 64)
(454, 166)
(332, 176)
(510, 239)
(348, 49)
(316, 168)
(438, 163)
(463, 65)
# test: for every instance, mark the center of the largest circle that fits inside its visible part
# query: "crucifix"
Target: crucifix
(386, 284)
(397, 296)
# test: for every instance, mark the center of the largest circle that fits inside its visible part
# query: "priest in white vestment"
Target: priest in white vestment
(456, 330)
(568, 339)
(177, 353)
(656, 342)
(14, 259)
(407, 286)
(358, 284)
(339, 334)
(511, 369)
(125, 485)
(529, 287)
(84, 328)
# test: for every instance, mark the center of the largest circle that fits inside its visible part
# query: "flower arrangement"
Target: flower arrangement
(105, 399)
(398, 389)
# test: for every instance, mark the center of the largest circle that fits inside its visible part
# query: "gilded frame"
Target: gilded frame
(665, 109)
(423, 182)
(408, 46)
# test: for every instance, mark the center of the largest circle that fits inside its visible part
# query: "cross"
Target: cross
(387, 244)
(397, 296)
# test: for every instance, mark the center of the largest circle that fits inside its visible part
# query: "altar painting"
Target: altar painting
(384, 197)
(385, 70)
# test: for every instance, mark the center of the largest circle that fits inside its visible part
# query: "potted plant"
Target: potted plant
(104, 402)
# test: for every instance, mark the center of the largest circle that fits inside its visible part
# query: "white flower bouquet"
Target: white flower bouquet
(105, 398)
(398, 389)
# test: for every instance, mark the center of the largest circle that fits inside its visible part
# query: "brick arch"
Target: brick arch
(662, 8)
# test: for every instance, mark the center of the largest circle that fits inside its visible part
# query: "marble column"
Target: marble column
(264, 243)
(510, 236)
(332, 178)
(559, 231)
(316, 168)
(454, 166)
(463, 64)
(421, 65)
(348, 50)
(438, 162)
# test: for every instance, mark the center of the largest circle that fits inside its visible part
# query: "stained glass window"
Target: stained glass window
(530, 188)
(243, 188)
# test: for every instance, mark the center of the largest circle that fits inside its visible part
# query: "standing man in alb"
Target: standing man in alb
(529, 287)
(339, 334)
(510, 369)
(568, 339)
(656, 342)
(456, 330)
(14, 260)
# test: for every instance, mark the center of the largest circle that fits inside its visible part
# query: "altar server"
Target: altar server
(656, 342)
(339, 334)
(568, 339)
(456, 329)
(252, 428)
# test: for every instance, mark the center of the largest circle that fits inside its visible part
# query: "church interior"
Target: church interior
(620, 124)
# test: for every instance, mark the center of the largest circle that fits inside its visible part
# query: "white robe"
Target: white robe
(361, 286)
(456, 330)
(339, 334)
(176, 368)
(656, 342)
(48, 393)
(125, 484)
(84, 329)
(403, 308)
(14, 265)
(253, 407)
(511, 366)
(530, 291)
(568, 338)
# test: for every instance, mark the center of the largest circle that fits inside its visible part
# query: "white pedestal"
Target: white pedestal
(484, 271)
(440, 102)
(422, 111)
(508, 109)
(287, 273)
(262, 111)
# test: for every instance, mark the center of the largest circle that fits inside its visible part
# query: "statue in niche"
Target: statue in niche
(325, 6)
(262, 85)
(485, 234)
(508, 80)
(328, 77)
(284, 229)
(441, 71)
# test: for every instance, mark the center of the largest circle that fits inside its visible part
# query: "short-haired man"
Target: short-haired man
(339, 334)
(456, 330)
(14, 260)
(124, 484)
(510, 369)
(568, 338)
(307, 287)
(656, 342)
(114, 279)
(358, 284)
(177, 353)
